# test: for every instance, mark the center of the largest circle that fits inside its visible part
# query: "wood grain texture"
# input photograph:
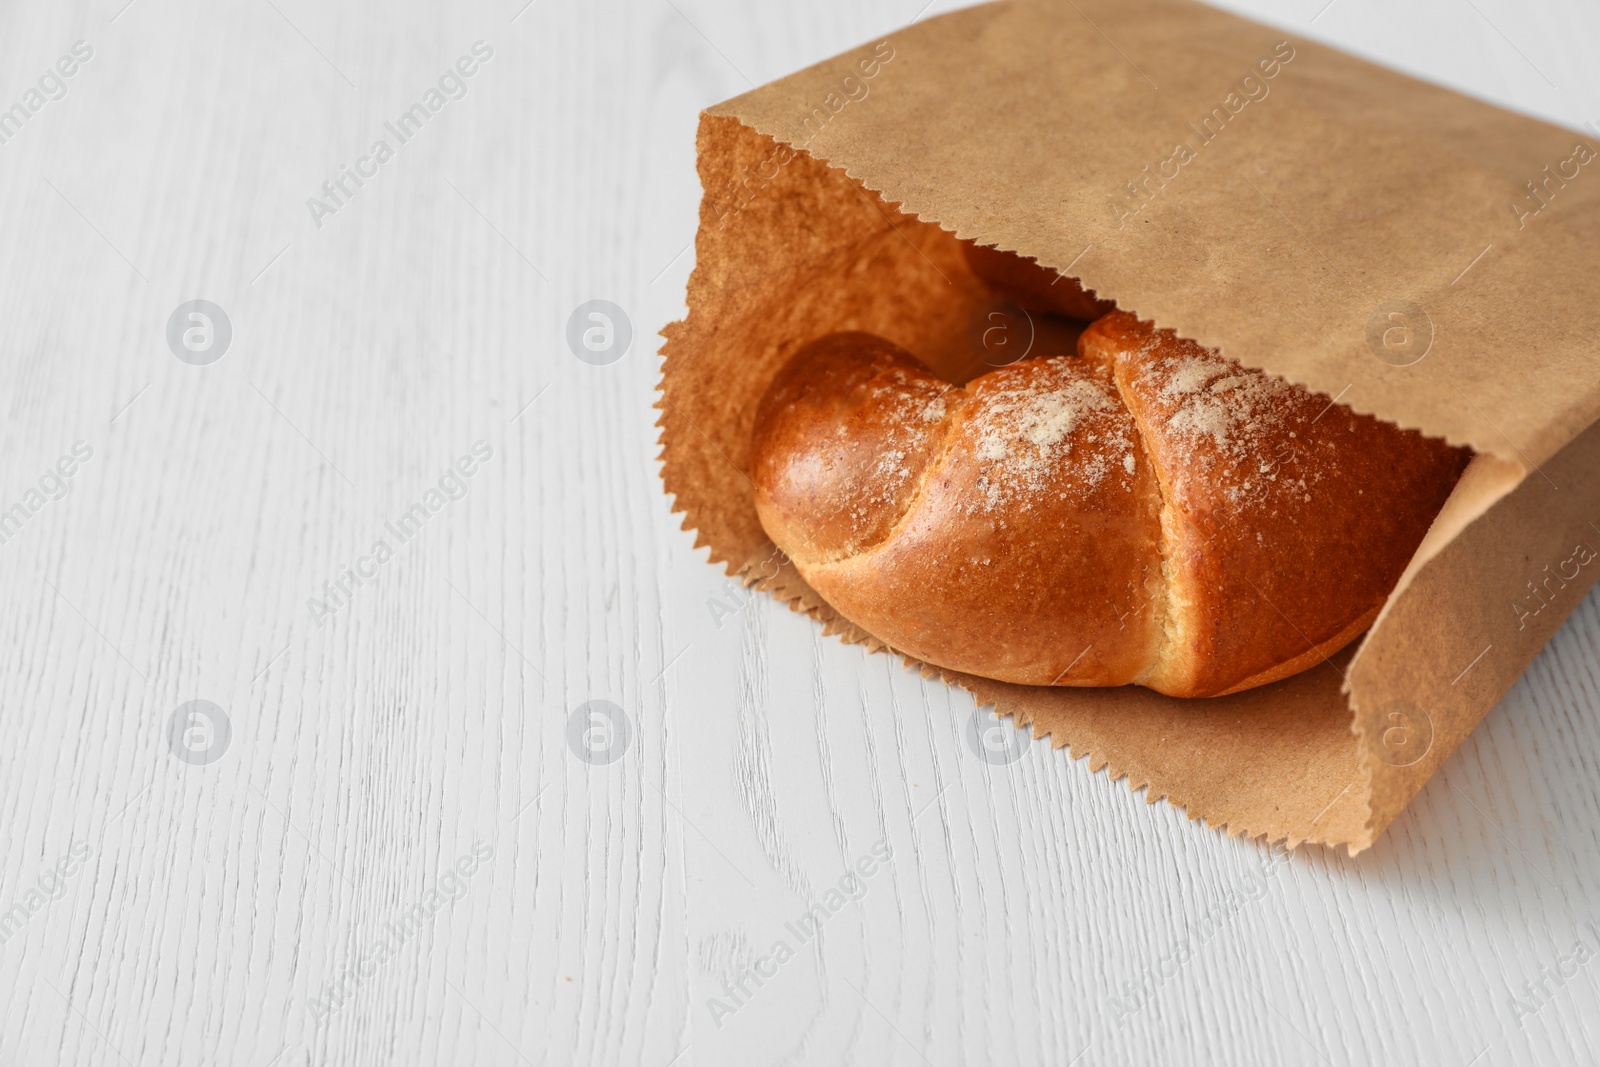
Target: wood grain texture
(1030, 911)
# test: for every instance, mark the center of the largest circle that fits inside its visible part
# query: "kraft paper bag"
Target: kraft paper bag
(1398, 247)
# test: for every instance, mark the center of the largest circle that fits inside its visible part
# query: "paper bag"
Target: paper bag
(1410, 252)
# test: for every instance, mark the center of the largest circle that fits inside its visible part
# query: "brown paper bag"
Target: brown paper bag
(1416, 254)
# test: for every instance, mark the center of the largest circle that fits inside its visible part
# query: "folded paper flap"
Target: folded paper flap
(1242, 186)
(1506, 583)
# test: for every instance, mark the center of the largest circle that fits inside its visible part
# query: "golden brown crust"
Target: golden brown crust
(1287, 518)
(1022, 280)
(1146, 512)
(1312, 656)
(932, 541)
(844, 431)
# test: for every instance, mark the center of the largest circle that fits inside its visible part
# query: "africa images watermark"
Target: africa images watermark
(851, 90)
(54, 484)
(740, 592)
(48, 888)
(599, 732)
(454, 484)
(1401, 332)
(1546, 586)
(339, 191)
(1543, 190)
(1142, 191)
(1537, 993)
(852, 885)
(447, 889)
(52, 86)
(1136, 995)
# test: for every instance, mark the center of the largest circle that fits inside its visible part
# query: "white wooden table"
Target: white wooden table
(383, 846)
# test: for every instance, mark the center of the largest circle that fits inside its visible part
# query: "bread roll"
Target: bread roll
(1145, 512)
